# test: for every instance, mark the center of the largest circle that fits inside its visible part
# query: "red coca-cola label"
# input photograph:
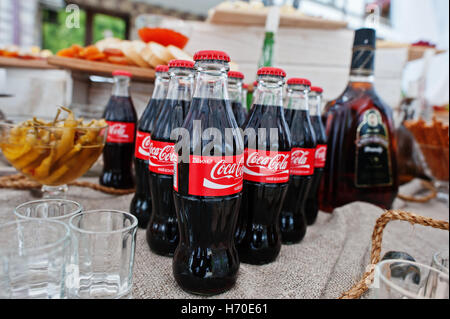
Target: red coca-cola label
(215, 175)
(302, 161)
(266, 166)
(321, 156)
(142, 150)
(120, 132)
(162, 157)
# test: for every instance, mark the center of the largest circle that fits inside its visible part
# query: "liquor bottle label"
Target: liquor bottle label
(215, 175)
(321, 156)
(162, 157)
(302, 161)
(142, 145)
(372, 162)
(120, 132)
(267, 166)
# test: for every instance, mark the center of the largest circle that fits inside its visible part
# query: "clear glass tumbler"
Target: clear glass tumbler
(440, 261)
(54, 209)
(104, 244)
(401, 279)
(33, 259)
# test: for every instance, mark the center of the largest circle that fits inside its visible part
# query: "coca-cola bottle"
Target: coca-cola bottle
(208, 183)
(266, 172)
(315, 109)
(162, 229)
(235, 79)
(292, 217)
(119, 148)
(141, 204)
(361, 162)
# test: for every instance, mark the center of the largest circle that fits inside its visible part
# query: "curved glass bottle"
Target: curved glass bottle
(361, 162)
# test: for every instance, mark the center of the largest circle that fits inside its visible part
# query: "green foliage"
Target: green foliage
(104, 23)
(57, 36)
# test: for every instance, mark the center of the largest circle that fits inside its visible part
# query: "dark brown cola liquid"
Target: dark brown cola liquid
(206, 261)
(162, 230)
(293, 223)
(141, 204)
(288, 113)
(257, 235)
(312, 201)
(240, 114)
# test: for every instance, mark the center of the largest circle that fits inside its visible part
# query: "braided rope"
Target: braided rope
(20, 181)
(363, 285)
(424, 199)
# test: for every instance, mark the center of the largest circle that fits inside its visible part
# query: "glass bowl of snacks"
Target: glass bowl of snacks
(53, 153)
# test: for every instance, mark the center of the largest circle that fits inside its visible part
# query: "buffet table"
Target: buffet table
(330, 259)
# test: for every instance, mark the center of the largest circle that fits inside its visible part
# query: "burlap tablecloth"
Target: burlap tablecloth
(330, 259)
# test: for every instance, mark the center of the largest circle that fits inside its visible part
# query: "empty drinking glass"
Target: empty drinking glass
(440, 261)
(401, 279)
(33, 259)
(55, 209)
(104, 244)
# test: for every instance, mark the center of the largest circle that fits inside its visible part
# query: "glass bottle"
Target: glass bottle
(235, 79)
(119, 148)
(361, 162)
(141, 204)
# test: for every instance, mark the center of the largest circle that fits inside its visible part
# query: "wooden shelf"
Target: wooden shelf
(414, 52)
(258, 18)
(25, 63)
(101, 68)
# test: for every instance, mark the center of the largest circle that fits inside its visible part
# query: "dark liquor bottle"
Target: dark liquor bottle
(361, 162)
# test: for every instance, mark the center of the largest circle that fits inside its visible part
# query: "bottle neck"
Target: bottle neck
(315, 103)
(361, 82)
(161, 86)
(270, 91)
(211, 80)
(235, 89)
(180, 84)
(363, 62)
(121, 86)
(297, 97)
(244, 98)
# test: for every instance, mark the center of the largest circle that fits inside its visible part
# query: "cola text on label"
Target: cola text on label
(120, 132)
(142, 150)
(321, 156)
(302, 162)
(266, 166)
(161, 157)
(215, 175)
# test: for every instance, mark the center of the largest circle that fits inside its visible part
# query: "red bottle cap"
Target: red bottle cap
(236, 75)
(181, 64)
(211, 55)
(298, 81)
(316, 89)
(245, 86)
(255, 83)
(122, 73)
(162, 68)
(272, 71)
